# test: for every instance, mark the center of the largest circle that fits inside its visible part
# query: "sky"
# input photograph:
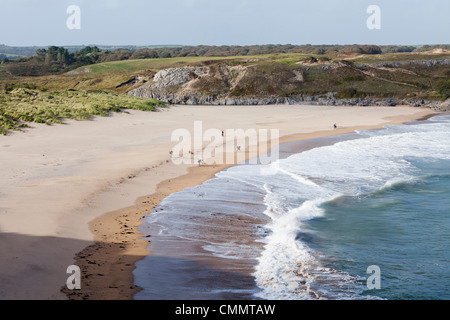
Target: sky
(223, 22)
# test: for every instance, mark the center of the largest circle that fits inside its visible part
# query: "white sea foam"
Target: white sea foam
(288, 268)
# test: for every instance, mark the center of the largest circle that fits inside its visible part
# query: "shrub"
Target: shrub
(349, 93)
(444, 89)
(354, 78)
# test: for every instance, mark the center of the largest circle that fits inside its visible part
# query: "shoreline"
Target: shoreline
(108, 264)
(58, 183)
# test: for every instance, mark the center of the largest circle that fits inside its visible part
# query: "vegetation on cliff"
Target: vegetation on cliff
(58, 83)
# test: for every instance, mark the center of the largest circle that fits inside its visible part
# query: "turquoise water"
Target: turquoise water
(404, 229)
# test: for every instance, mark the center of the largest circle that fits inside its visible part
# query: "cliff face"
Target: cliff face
(220, 84)
(252, 85)
(176, 76)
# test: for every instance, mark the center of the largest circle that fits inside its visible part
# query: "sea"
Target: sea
(361, 216)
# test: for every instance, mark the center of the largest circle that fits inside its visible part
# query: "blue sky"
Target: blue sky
(223, 22)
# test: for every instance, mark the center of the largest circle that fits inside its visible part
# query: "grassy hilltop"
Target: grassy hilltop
(79, 85)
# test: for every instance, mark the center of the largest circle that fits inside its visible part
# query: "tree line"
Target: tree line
(59, 59)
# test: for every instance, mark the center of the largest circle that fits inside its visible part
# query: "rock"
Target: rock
(134, 80)
(445, 106)
(176, 76)
(397, 64)
(328, 99)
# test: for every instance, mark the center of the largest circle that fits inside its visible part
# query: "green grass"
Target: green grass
(159, 64)
(22, 106)
(128, 66)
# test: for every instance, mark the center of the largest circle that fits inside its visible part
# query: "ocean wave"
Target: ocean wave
(377, 163)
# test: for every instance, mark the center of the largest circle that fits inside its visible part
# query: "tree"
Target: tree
(166, 55)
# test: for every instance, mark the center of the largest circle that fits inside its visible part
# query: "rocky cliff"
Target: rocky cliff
(250, 85)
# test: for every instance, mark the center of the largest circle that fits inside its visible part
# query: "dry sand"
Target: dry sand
(75, 193)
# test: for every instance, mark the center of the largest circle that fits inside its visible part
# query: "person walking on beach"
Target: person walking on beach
(335, 126)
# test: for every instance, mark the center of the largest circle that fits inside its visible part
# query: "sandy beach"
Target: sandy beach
(74, 194)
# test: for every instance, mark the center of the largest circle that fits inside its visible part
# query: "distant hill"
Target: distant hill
(38, 61)
(225, 50)
(17, 52)
(12, 52)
